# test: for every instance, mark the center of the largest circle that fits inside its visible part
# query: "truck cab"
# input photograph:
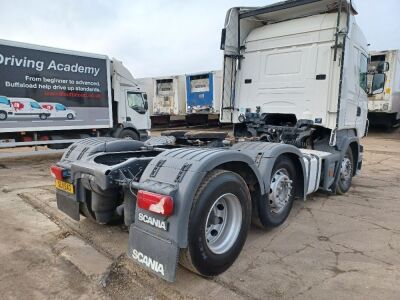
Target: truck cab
(384, 88)
(6, 109)
(130, 106)
(296, 68)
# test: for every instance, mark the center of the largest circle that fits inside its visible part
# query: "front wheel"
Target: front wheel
(218, 223)
(274, 209)
(346, 173)
(43, 116)
(3, 116)
(129, 135)
(70, 116)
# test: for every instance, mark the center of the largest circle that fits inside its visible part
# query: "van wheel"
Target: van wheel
(3, 116)
(346, 173)
(129, 135)
(43, 116)
(274, 209)
(218, 224)
(70, 116)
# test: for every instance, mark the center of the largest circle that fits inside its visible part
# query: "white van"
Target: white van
(6, 109)
(59, 110)
(29, 108)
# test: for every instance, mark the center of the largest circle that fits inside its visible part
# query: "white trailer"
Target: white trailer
(92, 96)
(384, 96)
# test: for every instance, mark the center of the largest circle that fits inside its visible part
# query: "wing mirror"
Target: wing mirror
(382, 67)
(223, 38)
(378, 84)
(146, 103)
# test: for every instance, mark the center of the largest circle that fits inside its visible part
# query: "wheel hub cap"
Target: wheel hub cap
(346, 170)
(223, 223)
(280, 191)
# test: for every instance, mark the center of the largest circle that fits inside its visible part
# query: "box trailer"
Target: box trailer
(384, 96)
(50, 94)
(190, 197)
(203, 97)
(168, 100)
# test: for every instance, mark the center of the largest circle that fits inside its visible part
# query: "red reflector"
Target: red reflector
(156, 203)
(57, 172)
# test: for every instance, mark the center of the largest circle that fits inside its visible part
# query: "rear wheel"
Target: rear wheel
(43, 116)
(218, 223)
(275, 208)
(346, 173)
(129, 135)
(3, 116)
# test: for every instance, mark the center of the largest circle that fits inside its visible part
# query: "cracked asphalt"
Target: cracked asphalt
(331, 247)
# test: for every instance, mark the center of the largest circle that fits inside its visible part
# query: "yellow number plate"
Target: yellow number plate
(64, 186)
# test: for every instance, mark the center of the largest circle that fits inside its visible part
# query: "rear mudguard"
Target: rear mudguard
(179, 173)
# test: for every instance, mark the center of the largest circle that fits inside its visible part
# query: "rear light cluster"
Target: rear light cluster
(156, 203)
(58, 172)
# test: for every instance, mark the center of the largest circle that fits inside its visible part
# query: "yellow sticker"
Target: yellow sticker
(388, 90)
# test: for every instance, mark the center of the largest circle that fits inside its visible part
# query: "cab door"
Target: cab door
(137, 109)
(362, 104)
(60, 111)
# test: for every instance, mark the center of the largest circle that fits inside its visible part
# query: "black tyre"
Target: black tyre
(3, 115)
(70, 116)
(43, 116)
(218, 224)
(346, 173)
(274, 209)
(129, 135)
(87, 212)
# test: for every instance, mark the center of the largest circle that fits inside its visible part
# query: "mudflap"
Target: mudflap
(152, 253)
(68, 206)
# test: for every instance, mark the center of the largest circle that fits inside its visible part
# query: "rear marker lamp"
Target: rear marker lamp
(156, 203)
(58, 172)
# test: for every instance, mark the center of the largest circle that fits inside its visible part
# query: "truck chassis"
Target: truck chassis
(190, 198)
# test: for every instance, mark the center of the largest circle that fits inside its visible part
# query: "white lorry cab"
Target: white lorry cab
(59, 110)
(384, 88)
(6, 108)
(282, 72)
(29, 108)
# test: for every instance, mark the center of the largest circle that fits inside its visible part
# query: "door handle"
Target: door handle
(358, 111)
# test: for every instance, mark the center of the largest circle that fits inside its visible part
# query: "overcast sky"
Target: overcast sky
(158, 37)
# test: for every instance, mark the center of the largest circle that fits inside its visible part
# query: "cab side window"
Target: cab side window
(5, 101)
(35, 105)
(60, 107)
(363, 72)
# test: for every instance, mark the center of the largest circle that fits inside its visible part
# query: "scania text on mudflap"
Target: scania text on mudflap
(190, 197)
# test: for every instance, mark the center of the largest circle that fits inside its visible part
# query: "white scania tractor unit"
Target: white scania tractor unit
(294, 85)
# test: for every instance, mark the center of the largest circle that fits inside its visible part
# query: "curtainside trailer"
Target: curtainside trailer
(190, 197)
(52, 96)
